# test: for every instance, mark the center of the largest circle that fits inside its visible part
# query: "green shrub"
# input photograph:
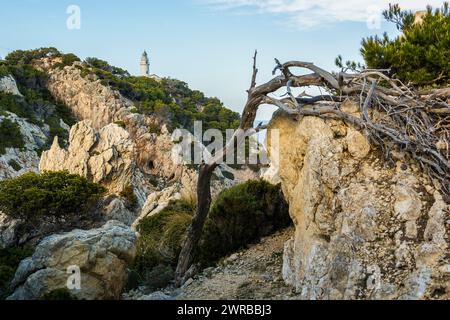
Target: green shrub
(129, 195)
(55, 194)
(69, 59)
(38, 105)
(4, 71)
(420, 56)
(63, 294)
(9, 261)
(10, 136)
(160, 241)
(242, 215)
(27, 56)
(121, 124)
(16, 105)
(16, 166)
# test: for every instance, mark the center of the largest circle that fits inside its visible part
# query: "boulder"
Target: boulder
(117, 210)
(105, 156)
(101, 255)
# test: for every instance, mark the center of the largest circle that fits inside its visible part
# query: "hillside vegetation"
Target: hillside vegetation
(32, 196)
(240, 216)
(36, 105)
(169, 99)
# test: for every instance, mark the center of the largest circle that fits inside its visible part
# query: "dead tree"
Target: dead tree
(415, 122)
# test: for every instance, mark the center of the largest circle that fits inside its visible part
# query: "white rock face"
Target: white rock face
(9, 85)
(364, 230)
(101, 254)
(146, 153)
(88, 99)
(25, 159)
(106, 156)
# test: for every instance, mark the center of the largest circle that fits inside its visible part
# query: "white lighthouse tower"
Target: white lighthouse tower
(145, 65)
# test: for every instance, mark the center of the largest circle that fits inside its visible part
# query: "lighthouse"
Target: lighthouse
(145, 65)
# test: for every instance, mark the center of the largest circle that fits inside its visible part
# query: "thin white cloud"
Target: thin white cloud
(310, 13)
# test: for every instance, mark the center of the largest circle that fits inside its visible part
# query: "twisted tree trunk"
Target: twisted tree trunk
(195, 230)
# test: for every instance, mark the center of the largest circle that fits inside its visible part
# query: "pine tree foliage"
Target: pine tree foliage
(420, 56)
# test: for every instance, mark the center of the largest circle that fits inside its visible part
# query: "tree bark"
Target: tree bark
(195, 230)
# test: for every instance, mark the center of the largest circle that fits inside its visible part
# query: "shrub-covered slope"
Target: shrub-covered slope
(240, 216)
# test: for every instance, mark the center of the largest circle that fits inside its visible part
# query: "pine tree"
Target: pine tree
(421, 55)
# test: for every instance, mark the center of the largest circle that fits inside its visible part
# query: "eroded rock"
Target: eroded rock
(364, 230)
(102, 255)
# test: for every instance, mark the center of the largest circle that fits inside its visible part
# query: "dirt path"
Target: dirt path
(254, 273)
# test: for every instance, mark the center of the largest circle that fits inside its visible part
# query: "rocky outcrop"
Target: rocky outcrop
(8, 85)
(101, 255)
(86, 96)
(105, 156)
(364, 229)
(18, 161)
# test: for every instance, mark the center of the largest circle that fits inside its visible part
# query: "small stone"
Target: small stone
(357, 144)
(188, 283)
(411, 229)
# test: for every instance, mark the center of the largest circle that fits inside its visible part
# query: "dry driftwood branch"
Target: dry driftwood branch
(392, 115)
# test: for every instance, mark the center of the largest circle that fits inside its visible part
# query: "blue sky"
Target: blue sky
(207, 43)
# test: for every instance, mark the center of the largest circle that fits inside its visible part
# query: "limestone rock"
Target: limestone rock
(88, 99)
(117, 210)
(8, 85)
(102, 255)
(364, 230)
(105, 156)
(357, 144)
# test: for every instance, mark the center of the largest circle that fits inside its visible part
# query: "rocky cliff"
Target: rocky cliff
(117, 147)
(365, 228)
